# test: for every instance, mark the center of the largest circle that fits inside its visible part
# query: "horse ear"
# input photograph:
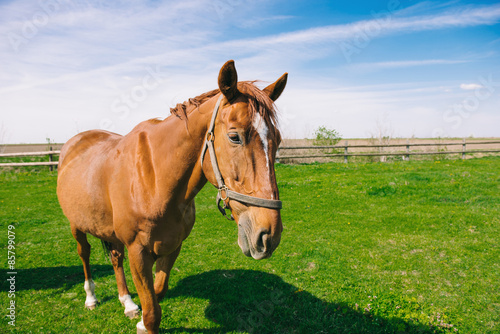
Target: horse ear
(228, 80)
(274, 90)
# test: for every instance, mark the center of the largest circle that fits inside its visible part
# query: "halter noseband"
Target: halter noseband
(223, 192)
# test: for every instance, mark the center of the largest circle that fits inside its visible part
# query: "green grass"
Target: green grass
(406, 247)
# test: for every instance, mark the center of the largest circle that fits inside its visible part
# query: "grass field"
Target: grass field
(407, 247)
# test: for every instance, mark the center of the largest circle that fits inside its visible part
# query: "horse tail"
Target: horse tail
(107, 247)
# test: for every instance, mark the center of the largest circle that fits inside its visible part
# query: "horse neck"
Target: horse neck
(181, 143)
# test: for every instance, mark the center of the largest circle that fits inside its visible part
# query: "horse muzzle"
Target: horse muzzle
(256, 239)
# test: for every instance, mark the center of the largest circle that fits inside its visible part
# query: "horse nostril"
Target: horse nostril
(263, 240)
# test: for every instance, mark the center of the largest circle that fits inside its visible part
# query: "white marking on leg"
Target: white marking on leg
(261, 127)
(140, 327)
(91, 300)
(131, 309)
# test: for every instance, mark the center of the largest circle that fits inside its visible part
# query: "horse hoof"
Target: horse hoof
(132, 314)
(90, 306)
(141, 329)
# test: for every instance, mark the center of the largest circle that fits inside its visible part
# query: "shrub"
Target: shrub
(324, 136)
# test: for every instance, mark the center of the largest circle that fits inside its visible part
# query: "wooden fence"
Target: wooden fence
(405, 153)
(50, 154)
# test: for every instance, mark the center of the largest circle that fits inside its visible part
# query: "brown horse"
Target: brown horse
(138, 190)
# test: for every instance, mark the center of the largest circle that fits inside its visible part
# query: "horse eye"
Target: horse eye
(234, 138)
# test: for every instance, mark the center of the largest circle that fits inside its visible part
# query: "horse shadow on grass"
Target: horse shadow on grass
(257, 302)
(44, 278)
(239, 301)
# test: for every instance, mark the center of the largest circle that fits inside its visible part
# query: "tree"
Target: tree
(324, 136)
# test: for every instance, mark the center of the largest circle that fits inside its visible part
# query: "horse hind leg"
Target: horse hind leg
(116, 253)
(84, 252)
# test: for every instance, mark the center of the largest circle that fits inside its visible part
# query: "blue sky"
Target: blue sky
(400, 68)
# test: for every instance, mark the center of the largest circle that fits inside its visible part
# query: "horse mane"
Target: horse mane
(182, 109)
(258, 102)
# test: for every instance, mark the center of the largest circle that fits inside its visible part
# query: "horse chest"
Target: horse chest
(162, 232)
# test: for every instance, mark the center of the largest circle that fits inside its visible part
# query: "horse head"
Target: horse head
(245, 138)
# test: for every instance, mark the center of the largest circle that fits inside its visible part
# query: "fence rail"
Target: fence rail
(29, 154)
(51, 163)
(392, 145)
(405, 154)
(280, 156)
(27, 164)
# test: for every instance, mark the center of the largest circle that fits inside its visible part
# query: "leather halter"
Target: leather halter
(223, 192)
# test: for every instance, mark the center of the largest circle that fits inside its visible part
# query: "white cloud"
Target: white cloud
(387, 23)
(253, 22)
(73, 68)
(412, 108)
(404, 63)
(471, 86)
(101, 40)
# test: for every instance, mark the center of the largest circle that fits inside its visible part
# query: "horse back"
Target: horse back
(86, 143)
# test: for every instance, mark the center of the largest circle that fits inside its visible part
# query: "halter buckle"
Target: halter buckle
(210, 136)
(224, 196)
(222, 208)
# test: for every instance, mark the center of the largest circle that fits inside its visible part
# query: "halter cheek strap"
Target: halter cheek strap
(223, 192)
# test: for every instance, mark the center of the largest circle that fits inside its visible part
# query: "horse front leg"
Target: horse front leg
(116, 255)
(164, 265)
(141, 266)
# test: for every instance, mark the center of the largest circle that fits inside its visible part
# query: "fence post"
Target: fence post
(407, 150)
(463, 149)
(278, 156)
(51, 168)
(345, 152)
